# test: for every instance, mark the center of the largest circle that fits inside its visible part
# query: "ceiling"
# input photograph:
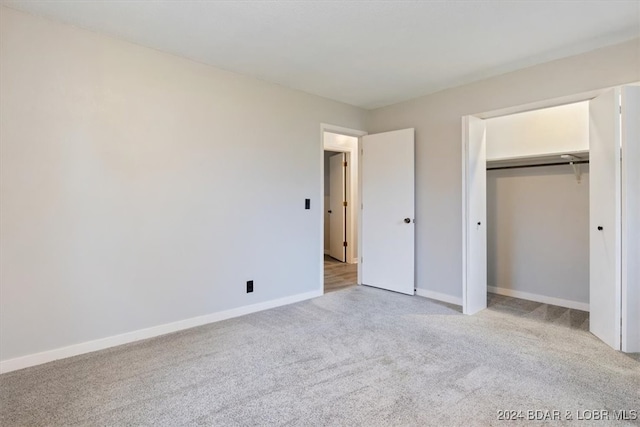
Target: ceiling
(365, 53)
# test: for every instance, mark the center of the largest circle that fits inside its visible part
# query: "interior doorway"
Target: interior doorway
(380, 207)
(340, 216)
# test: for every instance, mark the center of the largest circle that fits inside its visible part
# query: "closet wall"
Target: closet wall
(538, 233)
(549, 130)
(538, 217)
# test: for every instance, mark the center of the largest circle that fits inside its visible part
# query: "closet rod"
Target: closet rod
(536, 165)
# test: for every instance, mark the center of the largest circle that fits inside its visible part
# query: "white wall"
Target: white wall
(139, 188)
(538, 232)
(559, 129)
(437, 120)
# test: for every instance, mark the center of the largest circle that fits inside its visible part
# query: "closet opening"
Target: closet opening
(548, 200)
(537, 195)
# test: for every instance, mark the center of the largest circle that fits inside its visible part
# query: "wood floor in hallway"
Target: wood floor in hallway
(338, 275)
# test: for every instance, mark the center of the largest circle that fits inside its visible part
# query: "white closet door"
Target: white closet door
(631, 219)
(604, 211)
(474, 292)
(388, 191)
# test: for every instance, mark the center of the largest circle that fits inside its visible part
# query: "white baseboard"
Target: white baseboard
(354, 261)
(141, 334)
(539, 298)
(439, 296)
(326, 251)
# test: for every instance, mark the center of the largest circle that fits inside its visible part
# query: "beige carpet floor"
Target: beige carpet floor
(356, 357)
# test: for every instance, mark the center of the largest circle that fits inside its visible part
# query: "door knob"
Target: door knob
(600, 228)
(407, 220)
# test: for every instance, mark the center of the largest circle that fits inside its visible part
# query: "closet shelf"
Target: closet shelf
(547, 159)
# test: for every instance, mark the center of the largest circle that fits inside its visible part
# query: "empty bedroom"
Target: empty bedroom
(319, 213)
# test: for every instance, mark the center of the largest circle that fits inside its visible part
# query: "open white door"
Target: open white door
(631, 219)
(605, 213)
(387, 251)
(474, 229)
(337, 217)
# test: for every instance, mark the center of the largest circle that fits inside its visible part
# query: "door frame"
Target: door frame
(579, 97)
(630, 209)
(354, 214)
(554, 102)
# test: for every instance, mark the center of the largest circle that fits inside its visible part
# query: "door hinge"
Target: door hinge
(344, 244)
(344, 204)
(344, 164)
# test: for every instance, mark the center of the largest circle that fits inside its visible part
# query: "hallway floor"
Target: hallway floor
(338, 275)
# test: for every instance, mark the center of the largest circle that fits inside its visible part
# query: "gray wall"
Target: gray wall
(437, 120)
(538, 231)
(139, 188)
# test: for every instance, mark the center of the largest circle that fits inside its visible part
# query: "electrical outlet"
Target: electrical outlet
(249, 286)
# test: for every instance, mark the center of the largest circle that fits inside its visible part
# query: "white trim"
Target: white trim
(326, 251)
(547, 103)
(141, 334)
(630, 227)
(439, 296)
(325, 127)
(465, 214)
(539, 298)
(359, 213)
